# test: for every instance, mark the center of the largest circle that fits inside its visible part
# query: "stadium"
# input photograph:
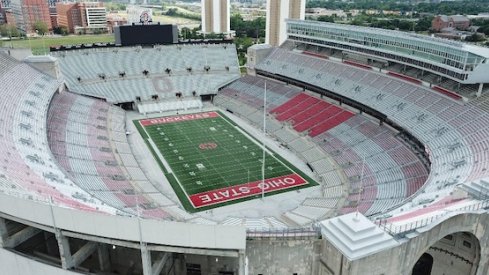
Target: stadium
(346, 150)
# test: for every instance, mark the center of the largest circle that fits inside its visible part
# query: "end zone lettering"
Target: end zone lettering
(246, 190)
(179, 118)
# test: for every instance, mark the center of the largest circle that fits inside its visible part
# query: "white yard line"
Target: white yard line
(167, 166)
(261, 146)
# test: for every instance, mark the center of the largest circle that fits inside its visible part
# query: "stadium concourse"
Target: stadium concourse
(148, 160)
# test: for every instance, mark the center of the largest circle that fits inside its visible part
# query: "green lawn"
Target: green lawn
(214, 162)
(41, 45)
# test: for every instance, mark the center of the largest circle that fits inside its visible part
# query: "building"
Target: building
(458, 22)
(4, 4)
(52, 3)
(9, 17)
(215, 16)
(28, 12)
(53, 14)
(113, 20)
(82, 17)
(463, 63)
(277, 12)
(68, 16)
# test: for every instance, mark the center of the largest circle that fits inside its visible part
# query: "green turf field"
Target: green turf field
(212, 162)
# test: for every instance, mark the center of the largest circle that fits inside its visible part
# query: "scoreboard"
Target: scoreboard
(146, 34)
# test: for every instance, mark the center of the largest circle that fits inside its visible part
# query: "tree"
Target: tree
(484, 29)
(40, 27)
(253, 28)
(475, 38)
(325, 18)
(9, 31)
(171, 12)
(405, 25)
(63, 30)
(423, 24)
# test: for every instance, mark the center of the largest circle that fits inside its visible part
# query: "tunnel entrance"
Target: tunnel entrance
(454, 254)
(423, 265)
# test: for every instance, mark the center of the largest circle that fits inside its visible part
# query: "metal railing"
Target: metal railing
(304, 232)
(409, 227)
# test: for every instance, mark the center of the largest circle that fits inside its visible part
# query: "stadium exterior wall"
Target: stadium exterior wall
(126, 228)
(401, 259)
(15, 264)
(283, 256)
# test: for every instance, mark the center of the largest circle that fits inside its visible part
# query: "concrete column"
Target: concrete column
(211, 265)
(64, 250)
(479, 91)
(242, 263)
(21, 236)
(51, 247)
(83, 253)
(103, 257)
(146, 260)
(159, 264)
(3, 232)
(180, 265)
(170, 265)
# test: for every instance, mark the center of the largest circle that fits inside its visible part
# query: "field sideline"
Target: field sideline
(214, 162)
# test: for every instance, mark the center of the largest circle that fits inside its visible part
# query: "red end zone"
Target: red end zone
(246, 190)
(178, 118)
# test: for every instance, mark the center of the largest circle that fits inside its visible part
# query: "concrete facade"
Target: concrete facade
(283, 256)
(462, 252)
(402, 258)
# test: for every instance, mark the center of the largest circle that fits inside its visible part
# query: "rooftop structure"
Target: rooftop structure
(461, 62)
(356, 236)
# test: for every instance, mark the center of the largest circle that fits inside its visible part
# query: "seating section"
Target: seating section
(310, 113)
(391, 171)
(123, 74)
(82, 138)
(28, 169)
(455, 135)
(169, 105)
(82, 158)
(381, 169)
(250, 90)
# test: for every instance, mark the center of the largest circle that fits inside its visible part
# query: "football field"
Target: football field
(211, 162)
